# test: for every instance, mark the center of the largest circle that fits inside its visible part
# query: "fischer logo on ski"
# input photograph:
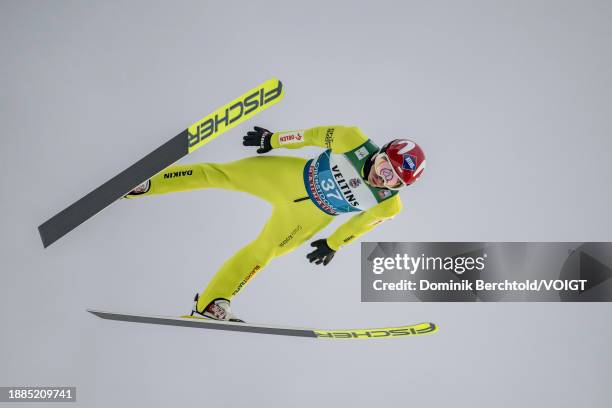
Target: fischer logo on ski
(415, 330)
(204, 323)
(195, 136)
(233, 113)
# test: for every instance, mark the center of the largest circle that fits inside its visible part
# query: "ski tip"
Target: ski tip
(97, 313)
(434, 327)
(383, 332)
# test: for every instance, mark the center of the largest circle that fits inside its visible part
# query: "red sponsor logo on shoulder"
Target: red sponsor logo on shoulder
(295, 137)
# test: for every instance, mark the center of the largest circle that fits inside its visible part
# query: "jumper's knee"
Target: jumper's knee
(263, 255)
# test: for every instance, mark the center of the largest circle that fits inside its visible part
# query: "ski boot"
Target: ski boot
(218, 309)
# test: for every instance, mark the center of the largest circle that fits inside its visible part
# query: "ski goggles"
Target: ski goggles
(385, 170)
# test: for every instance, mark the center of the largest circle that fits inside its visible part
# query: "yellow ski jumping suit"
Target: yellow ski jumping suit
(299, 211)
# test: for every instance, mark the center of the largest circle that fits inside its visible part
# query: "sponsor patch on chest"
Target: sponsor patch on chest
(355, 182)
(344, 187)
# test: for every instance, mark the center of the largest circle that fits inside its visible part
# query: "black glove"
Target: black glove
(258, 137)
(323, 254)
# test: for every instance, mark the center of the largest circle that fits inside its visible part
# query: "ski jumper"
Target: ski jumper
(305, 196)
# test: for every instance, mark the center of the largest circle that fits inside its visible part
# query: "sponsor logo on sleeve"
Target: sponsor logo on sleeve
(329, 138)
(361, 153)
(290, 138)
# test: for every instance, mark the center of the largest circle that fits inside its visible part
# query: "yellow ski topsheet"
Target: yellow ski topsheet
(385, 332)
(235, 112)
(418, 329)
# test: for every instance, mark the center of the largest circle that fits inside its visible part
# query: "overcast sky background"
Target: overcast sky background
(510, 100)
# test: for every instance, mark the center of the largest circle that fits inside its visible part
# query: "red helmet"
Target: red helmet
(407, 159)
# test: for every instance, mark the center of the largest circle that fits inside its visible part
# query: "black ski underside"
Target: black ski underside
(205, 324)
(88, 206)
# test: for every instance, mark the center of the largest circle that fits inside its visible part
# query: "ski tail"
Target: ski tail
(195, 136)
(94, 202)
(202, 323)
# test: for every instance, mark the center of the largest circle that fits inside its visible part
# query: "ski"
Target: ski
(195, 136)
(203, 323)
